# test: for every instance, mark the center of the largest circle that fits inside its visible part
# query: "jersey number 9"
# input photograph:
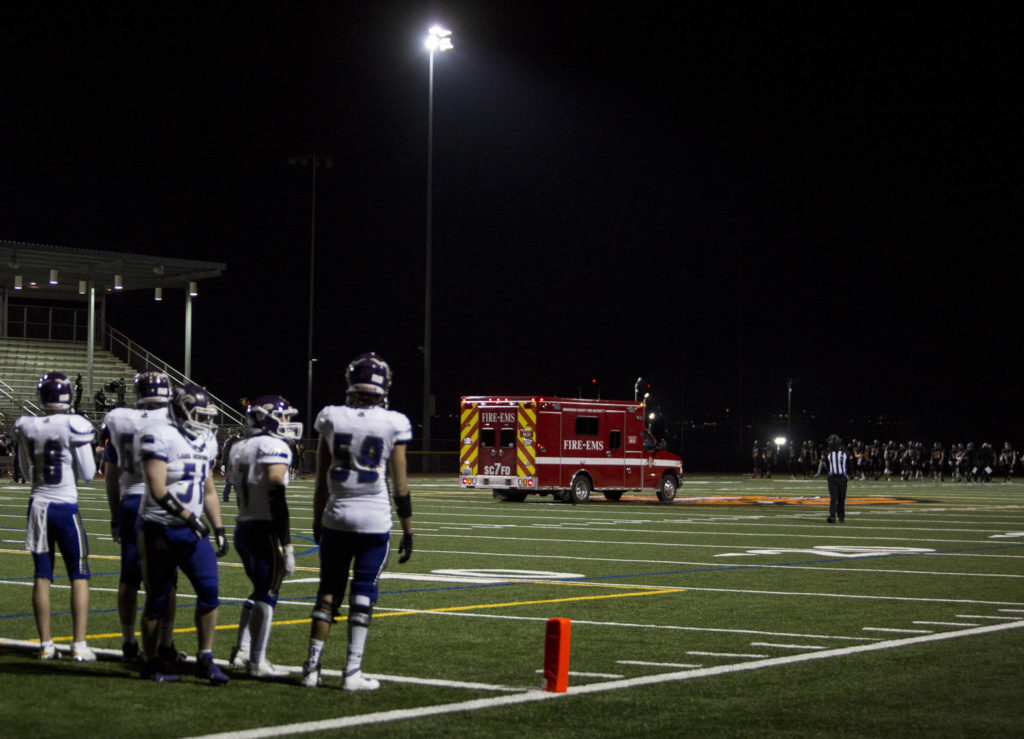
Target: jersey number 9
(367, 460)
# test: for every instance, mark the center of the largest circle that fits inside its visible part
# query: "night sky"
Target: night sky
(715, 197)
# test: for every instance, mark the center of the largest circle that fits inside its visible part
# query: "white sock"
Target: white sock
(357, 634)
(259, 629)
(244, 631)
(316, 648)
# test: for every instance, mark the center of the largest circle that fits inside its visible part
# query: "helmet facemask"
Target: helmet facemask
(271, 415)
(191, 411)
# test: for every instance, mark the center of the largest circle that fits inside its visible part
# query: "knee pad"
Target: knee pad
(359, 614)
(324, 611)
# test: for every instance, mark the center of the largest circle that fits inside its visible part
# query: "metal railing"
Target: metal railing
(140, 358)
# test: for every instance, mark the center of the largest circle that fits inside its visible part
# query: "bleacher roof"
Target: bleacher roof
(138, 271)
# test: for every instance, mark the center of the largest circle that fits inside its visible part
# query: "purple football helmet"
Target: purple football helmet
(152, 387)
(370, 374)
(271, 414)
(192, 410)
(54, 390)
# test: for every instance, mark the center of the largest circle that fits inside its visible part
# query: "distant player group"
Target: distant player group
(157, 464)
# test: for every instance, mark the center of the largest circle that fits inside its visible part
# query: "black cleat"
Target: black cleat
(130, 652)
(151, 670)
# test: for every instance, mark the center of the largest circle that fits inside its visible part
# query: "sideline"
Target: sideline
(308, 727)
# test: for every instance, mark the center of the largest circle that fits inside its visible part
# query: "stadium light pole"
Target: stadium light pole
(789, 408)
(438, 39)
(314, 162)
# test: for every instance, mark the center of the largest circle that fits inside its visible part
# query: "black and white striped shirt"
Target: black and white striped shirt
(836, 461)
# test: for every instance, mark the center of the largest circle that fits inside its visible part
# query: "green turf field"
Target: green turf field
(735, 611)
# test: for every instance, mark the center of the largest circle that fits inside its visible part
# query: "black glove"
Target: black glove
(222, 541)
(405, 549)
(318, 530)
(115, 530)
(198, 525)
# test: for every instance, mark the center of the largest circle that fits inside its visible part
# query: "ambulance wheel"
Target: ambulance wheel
(667, 489)
(612, 494)
(580, 490)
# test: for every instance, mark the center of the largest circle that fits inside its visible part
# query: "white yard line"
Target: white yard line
(785, 646)
(942, 623)
(888, 630)
(368, 719)
(692, 589)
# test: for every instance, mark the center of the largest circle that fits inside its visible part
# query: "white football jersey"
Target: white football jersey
(361, 441)
(248, 461)
(54, 450)
(122, 425)
(188, 466)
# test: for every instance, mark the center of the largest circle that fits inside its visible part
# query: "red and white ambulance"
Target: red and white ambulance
(565, 447)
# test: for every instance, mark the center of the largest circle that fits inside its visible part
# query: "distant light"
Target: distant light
(438, 39)
(17, 282)
(158, 293)
(780, 441)
(81, 287)
(117, 282)
(53, 277)
(193, 290)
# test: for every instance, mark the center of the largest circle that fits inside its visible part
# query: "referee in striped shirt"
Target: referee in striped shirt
(835, 458)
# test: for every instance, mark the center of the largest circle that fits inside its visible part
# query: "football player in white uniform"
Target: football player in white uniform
(53, 450)
(177, 457)
(359, 443)
(258, 467)
(122, 472)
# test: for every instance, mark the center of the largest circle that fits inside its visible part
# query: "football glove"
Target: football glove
(115, 531)
(198, 525)
(289, 560)
(405, 549)
(222, 541)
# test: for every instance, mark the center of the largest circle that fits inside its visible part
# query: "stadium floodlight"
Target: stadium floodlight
(438, 39)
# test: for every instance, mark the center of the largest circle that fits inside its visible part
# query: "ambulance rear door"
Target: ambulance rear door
(497, 456)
